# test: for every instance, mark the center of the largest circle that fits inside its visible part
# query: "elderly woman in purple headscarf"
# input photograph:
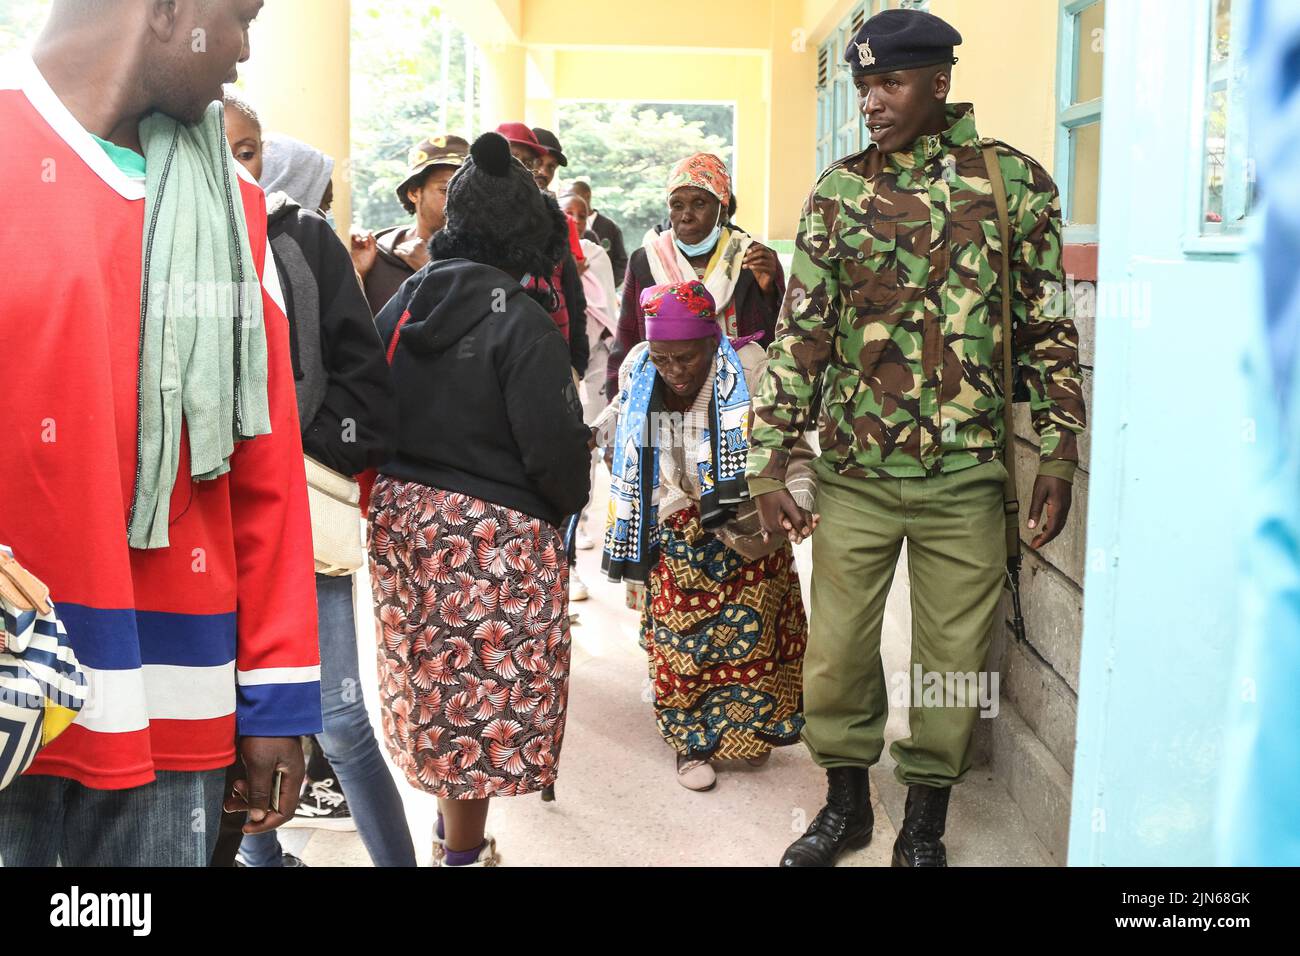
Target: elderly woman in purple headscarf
(723, 623)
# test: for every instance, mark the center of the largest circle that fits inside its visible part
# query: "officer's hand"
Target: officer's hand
(1056, 494)
(761, 261)
(778, 514)
(251, 791)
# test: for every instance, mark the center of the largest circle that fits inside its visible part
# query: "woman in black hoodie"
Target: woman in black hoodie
(466, 560)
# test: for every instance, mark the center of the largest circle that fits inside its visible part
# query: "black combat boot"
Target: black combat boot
(920, 841)
(843, 824)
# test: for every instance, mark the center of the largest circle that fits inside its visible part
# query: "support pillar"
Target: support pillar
(298, 78)
(504, 74)
(792, 122)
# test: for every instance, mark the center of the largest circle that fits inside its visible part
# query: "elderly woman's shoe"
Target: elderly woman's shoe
(695, 774)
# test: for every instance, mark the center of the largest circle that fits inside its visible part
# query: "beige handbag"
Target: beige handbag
(335, 502)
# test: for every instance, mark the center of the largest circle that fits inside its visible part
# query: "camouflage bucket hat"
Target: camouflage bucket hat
(436, 151)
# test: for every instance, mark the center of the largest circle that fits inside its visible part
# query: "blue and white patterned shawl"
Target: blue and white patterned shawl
(632, 532)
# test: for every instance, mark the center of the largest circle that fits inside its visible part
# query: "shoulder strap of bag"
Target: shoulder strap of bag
(22, 588)
(1010, 496)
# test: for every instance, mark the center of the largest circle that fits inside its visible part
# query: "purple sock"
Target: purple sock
(442, 834)
(463, 857)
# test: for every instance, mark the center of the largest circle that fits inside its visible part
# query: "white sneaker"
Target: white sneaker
(582, 541)
(322, 806)
(577, 590)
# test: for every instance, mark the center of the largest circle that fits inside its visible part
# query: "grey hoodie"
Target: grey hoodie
(293, 167)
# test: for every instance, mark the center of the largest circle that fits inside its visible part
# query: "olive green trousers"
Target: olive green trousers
(956, 553)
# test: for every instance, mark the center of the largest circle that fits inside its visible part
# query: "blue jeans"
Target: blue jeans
(170, 822)
(348, 742)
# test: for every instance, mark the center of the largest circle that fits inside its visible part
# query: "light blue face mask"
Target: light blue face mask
(329, 218)
(704, 245)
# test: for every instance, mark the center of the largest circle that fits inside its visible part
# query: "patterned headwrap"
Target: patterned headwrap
(679, 312)
(704, 171)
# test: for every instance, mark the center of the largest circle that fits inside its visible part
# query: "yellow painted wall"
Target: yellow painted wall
(298, 80)
(487, 21)
(503, 68)
(789, 161)
(1007, 68)
(820, 17)
(713, 24)
(540, 104)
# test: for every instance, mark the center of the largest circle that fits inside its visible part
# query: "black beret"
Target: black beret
(901, 40)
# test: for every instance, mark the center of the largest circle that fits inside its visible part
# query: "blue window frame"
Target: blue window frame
(1222, 197)
(1080, 58)
(840, 129)
(1227, 181)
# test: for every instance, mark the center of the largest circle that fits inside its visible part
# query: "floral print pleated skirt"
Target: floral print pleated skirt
(726, 641)
(472, 608)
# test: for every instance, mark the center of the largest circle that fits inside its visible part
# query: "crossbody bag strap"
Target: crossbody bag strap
(20, 585)
(1010, 496)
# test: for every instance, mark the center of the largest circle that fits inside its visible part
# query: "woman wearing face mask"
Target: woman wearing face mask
(724, 624)
(744, 277)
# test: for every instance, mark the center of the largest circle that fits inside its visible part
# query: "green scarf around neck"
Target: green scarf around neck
(202, 338)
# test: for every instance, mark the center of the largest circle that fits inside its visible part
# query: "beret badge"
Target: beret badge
(865, 56)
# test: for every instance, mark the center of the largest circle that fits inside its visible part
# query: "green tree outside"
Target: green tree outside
(397, 98)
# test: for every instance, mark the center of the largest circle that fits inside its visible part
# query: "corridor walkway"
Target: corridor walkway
(618, 802)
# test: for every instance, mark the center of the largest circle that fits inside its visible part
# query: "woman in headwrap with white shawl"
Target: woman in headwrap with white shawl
(743, 276)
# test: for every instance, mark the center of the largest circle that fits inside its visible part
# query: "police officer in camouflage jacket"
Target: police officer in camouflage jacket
(892, 319)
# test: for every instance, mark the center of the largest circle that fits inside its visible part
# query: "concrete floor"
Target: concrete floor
(617, 799)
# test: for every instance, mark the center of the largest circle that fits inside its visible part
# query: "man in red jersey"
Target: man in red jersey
(153, 472)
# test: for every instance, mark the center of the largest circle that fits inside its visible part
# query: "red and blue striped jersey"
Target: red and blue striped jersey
(187, 646)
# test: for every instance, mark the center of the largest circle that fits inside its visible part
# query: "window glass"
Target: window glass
(1085, 165)
(1228, 180)
(1088, 49)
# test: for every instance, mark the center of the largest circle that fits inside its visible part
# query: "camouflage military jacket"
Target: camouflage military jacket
(894, 307)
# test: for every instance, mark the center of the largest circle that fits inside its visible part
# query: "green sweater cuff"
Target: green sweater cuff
(763, 486)
(1055, 468)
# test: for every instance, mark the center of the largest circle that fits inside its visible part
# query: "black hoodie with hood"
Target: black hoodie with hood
(345, 398)
(487, 404)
